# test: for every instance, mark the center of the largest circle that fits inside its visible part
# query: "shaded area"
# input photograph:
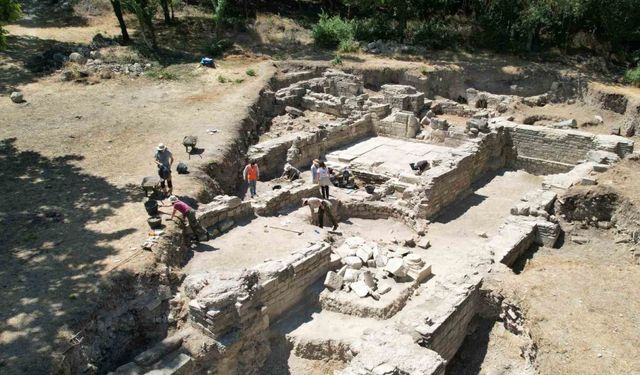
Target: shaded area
(50, 259)
(27, 58)
(49, 13)
(469, 358)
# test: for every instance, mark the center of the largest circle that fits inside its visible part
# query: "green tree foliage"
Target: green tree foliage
(330, 32)
(9, 12)
(145, 11)
(522, 25)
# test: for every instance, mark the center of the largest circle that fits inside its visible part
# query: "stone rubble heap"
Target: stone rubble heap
(365, 264)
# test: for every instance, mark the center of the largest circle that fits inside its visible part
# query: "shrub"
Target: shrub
(348, 46)
(222, 79)
(337, 60)
(218, 47)
(330, 31)
(632, 76)
(251, 72)
(238, 81)
(372, 29)
(433, 33)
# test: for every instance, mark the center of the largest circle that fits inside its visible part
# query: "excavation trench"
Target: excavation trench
(257, 288)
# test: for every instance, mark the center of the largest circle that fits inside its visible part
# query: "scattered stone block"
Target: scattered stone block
(381, 261)
(295, 112)
(351, 275)
(17, 97)
(367, 278)
(360, 289)
(353, 262)
(420, 275)
(364, 252)
(77, 58)
(384, 290)
(423, 243)
(333, 281)
(396, 267)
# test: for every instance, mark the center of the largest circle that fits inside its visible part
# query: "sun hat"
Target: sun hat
(161, 147)
(173, 199)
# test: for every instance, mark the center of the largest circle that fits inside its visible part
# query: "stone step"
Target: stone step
(181, 364)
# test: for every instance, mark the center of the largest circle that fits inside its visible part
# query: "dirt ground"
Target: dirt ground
(580, 307)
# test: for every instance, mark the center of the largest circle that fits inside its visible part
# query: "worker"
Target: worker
(314, 171)
(323, 206)
(190, 214)
(291, 173)
(420, 166)
(251, 175)
(164, 160)
(324, 180)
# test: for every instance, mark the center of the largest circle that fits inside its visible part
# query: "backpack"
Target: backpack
(182, 168)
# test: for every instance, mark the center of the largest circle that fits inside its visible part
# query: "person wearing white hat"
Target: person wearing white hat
(190, 214)
(164, 159)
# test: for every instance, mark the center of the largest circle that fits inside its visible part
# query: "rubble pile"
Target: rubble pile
(368, 268)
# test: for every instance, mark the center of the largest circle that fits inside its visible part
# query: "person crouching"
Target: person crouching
(190, 214)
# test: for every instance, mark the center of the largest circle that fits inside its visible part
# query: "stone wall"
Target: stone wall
(222, 212)
(548, 150)
(285, 287)
(446, 333)
(299, 149)
(446, 183)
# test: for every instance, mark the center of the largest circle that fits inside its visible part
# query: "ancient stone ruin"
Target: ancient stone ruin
(394, 290)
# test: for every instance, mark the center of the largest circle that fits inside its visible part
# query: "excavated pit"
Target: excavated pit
(256, 298)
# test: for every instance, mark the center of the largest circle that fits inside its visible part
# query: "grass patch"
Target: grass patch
(222, 79)
(349, 46)
(632, 76)
(251, 72)
(337, 60)
(238, 81)
(161, 74)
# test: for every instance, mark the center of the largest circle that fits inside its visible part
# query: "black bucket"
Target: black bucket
(155, 222)
(152, 207)
(370, 189)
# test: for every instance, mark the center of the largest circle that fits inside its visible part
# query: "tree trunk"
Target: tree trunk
(166, 11)
(117, 9)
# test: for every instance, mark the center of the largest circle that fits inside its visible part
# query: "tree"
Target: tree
(144, 10)
(9, 11)
(117, 9)
(166, 10)
(220, 12)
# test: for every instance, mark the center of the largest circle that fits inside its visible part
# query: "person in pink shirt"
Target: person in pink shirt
(190, 214)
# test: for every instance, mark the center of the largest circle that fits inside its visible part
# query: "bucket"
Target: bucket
(370, 189)
(155, 222)
(152, 207)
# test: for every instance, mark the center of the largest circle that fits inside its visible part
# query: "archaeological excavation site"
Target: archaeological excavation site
(237, 193)
(415, 279)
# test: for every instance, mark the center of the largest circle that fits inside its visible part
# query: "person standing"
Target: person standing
(323, 206)
(164, 160)
(190, 214)
(251, 175)
(314, 171)
(324, 180)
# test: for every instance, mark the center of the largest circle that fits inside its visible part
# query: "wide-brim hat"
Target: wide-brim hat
(173, 199)
(161, 147)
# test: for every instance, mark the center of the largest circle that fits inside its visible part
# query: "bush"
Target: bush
(222, 79)
(348, 46)
(632, 76)
(329, 32)
(251, 72)
(433, 33)
(372, 29)
(218, 47)
(337, 60)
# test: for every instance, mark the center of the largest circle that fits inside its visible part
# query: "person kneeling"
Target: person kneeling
(323, 206)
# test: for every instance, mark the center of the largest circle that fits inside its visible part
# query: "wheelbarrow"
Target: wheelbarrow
(190, 141)
(151, 186)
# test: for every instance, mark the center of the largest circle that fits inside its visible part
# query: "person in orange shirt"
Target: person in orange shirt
(251, 175)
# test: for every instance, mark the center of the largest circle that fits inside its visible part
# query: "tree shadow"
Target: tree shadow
(27, 58)
(51, 258)
(42, 14)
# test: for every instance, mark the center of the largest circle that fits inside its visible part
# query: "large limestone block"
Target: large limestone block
(333, 281)
(396, 267)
